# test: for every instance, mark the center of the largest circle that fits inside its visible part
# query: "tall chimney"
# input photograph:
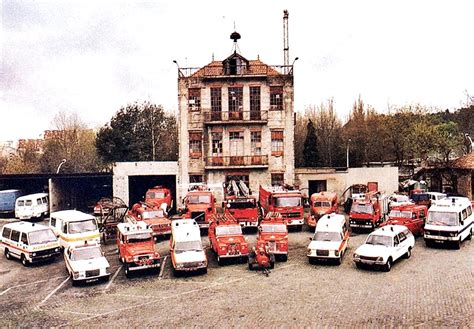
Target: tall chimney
(286, 48)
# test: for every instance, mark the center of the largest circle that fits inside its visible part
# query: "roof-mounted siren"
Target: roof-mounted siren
(286, 47)
(235, 36)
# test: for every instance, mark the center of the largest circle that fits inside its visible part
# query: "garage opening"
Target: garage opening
(79, 192)
(315, 186)
(138, 185)
(28, 184)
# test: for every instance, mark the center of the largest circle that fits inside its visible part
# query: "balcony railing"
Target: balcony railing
(214, 71)
(235, 116)
(253, 161)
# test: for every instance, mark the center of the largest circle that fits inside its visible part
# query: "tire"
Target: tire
(429, 243)
(469, 237)
(408, 254)
(284, 258)
(24, 261)
(7, 254)
(220, 261)
(311, 260)
(73, 282)
(388, 265)
(457, 244)
(358, 265)
(339, 260)
(204, 270)
(128, 274)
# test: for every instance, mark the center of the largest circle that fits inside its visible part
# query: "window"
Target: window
(6, 232)
(24, 239)
(469, 211)
(277, 142)
(196, 179)
(256, 142)
(402, 237)
(235, 103)
(276, 98)
(53, 222)
(216, 144)
(254, 103)
(194, 99)
(195, 144)
(216, 104)
(38, 201)
(45, 199)
(236, 139)
(28, 203)
(21, 203)
(464, 214)
(15, 236)
(278, 179)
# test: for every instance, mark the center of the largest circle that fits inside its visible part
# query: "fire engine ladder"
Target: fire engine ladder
(245, 191)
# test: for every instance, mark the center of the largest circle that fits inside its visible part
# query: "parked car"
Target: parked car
(29, 242)
(86, 263)
(330, 239)
(7, 200)
(384, 246)
(411, 216)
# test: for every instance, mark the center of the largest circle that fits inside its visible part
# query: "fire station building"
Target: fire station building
(236, 120)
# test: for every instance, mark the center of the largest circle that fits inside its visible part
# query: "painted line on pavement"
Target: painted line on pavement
(30, 283)
(53, 292)
(163, 265)
(113, 278)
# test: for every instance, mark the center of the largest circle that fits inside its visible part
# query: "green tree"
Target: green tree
(139, 132)
(310, 153)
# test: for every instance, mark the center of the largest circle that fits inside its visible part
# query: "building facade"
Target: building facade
(236, 120)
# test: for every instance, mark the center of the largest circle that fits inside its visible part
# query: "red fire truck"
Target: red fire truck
(411, 216)
(200, 204)
(273, 234)
(154, 216)
(369, 212)
(286, 201)
(226, 238)
(159, 195)
(321, 203)
(240, 204)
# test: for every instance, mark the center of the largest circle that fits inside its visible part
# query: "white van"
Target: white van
(29, 242)
(74, 227)
(187, 253)
(449, 220)
(32, 206)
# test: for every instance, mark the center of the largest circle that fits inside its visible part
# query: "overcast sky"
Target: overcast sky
(95, 56)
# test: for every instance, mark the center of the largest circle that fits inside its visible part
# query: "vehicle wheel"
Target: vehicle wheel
(469, 237)
(429, 243)
(120, 259)
(219, 260)
(128, 274)
(204, 270)
(7, 254)
(358, 265)
(24, 261)
(311, 260)
(284, 258)
(388, 265)
(457, 244)
(339, 260)
(73, 282)
(408, 254)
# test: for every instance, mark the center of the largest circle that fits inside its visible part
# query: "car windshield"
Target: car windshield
(273, 228)
(155, 195)
(228, 230)
(188, 246)
(400, 198)
(327, 236)
(152, 214)
(417, 197)
(362, 208)
(442, 218)
(241, 204)
(287, 201)
(40, 237)
(326, 204)
(82, 226)
(400, 214)
(86, 253)
(139, 237)
(194, 199)
(382, 240)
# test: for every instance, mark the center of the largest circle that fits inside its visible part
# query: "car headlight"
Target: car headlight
(356, 256)
(33, 254)
(179, 265)
(452, 234)
(309, 251)
(56, 249)
(336, 253)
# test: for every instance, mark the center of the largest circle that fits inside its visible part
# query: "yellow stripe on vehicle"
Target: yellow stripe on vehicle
(82, 238)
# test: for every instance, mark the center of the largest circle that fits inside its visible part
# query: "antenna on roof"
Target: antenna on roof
(235, 36)
(286, 47)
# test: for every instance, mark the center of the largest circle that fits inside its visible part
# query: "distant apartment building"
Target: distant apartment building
(8, 148)
(236, 120)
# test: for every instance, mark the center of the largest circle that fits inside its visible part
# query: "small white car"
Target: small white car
(384, 246)
(86, 263)
(330, 239)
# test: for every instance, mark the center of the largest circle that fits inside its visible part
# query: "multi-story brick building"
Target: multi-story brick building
(236, 119)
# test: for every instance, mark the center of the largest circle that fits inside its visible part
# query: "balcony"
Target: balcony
(252, 70)
(232, 162)
(235, 117)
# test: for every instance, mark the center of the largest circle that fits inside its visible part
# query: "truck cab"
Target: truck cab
(321, 204)
(187, 253)
(137, 250)
(159, 195)
(273, 234)
(226, 239)
(369, 212)
(287, 202)
(411, 216)
(154, 216)
(200, 205)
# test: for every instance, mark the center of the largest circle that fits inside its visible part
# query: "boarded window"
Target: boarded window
(194, 99)
(277, 142)
(195, 144)
(276, 98)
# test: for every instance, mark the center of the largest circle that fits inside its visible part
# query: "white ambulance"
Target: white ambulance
(32, 206)
(73, 228)
(187, 253)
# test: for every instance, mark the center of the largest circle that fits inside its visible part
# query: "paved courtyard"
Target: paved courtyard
(435, 287)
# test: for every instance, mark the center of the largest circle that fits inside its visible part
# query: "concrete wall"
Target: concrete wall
(338, 181)
(122, 170)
